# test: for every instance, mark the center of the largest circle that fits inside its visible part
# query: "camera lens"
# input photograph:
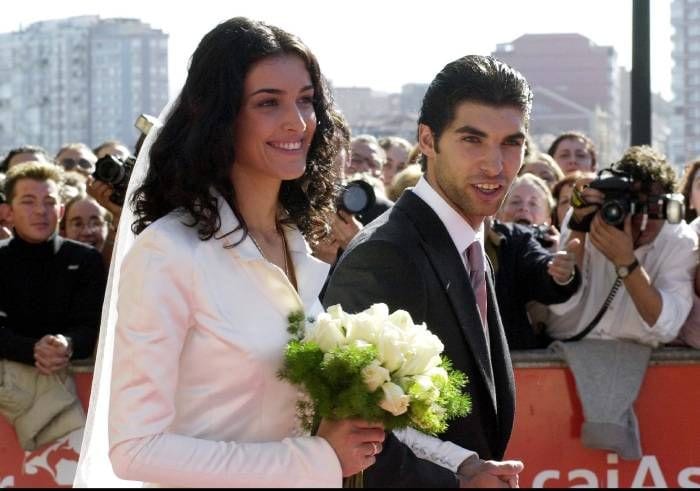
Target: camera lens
(109, 170)
(613, 212)
(354, 199)
(357, 197)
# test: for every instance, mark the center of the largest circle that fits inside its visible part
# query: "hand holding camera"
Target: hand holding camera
(585, 201)
(115, 172)
(615, 244)
(102, 193)
(618, 195)
(345, 228)
(109, 183)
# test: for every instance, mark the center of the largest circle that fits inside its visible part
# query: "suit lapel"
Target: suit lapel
(449, 268)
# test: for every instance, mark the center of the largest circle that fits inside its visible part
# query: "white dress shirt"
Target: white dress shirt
(458, 228)
(670, 262)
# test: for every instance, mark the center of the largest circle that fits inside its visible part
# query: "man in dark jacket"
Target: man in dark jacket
(52, 288)
(524, 272)
(426, 256)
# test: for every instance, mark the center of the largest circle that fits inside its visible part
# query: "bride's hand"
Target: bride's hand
(355, 442)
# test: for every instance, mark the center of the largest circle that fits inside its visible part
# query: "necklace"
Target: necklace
(284, 241)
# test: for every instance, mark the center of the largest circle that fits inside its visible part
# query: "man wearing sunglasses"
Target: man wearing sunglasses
(77, 157)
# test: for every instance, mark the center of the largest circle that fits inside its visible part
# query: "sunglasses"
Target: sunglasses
(70, 164)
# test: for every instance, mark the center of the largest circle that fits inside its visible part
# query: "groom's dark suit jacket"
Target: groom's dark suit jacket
(407, 260)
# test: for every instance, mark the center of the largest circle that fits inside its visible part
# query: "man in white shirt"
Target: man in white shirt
(652, 261)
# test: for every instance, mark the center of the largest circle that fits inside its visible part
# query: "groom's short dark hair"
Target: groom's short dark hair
(475, 78)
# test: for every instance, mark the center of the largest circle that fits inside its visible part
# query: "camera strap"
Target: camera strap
(599, 315)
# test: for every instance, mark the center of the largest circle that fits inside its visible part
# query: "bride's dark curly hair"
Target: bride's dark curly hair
(195, 148)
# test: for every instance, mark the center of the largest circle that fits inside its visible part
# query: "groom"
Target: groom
(426, 256)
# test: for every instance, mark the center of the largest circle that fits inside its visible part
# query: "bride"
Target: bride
(239, 175)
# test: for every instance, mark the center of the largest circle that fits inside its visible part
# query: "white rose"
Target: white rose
(438, 375)
(374, 375)
(424, 389)
(335, 312)
(378, 310)
(390, 348)
(424, 355)
(395, 400)
(401, 319)
(327, 333)
(365, 327)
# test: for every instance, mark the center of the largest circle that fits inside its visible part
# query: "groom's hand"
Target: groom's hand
(477, 473)
(355, 442)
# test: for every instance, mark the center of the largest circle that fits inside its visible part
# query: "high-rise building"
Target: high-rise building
(412, 97)
(575, 85)
(80, 79)
(685, 123)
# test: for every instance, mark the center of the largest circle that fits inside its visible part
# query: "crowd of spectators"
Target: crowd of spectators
(561, 270)
(524, 235)
(57, 224)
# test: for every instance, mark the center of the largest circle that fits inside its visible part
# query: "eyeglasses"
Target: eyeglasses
(93, 223)
(70, 164)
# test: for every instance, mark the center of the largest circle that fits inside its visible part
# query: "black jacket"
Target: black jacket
(56, 287)
(521, 277)
(407, 260)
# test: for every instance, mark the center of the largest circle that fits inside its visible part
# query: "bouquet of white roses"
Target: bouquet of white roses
(374, 366)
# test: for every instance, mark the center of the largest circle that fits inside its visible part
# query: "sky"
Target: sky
(381, 44)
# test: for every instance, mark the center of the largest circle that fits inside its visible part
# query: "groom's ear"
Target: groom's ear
(427, 141)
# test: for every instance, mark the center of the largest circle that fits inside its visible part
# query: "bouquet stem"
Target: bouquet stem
(354, 481)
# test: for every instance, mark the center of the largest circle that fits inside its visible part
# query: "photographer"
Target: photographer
(647, 252)
(102, 193)
(110, 179)
(358, 202)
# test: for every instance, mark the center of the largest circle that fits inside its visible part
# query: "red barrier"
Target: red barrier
(546, 436)
(548, 429)
(52, 465)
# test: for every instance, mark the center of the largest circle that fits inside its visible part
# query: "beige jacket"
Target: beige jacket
(41, 407)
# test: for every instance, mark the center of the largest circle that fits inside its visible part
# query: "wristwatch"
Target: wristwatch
(624, 271)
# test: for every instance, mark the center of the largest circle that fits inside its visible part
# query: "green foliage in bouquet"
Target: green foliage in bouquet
(358, 372)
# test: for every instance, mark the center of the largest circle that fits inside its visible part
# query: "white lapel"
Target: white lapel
(311, 273)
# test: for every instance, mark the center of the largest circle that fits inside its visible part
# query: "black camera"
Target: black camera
(356, 197)
(621, 198)
(115, 172)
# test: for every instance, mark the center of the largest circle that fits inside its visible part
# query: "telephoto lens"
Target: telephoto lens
(356, 197)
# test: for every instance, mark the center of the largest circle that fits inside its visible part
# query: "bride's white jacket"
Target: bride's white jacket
(201, 330)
